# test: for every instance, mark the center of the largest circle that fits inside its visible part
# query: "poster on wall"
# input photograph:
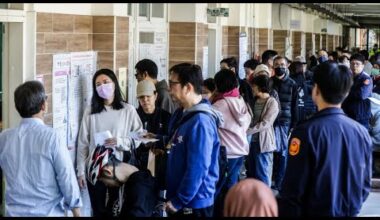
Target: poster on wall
(205, 63)
(61, 72)
(72, 92)
(83, 67)
(243, 53)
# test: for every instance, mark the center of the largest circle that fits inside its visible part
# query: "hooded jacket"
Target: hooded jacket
(193, 168)
(237, 120)
(164, 100)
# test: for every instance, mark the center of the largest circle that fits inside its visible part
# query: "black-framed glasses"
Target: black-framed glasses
(172, 83)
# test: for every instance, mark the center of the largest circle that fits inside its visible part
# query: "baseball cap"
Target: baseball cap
(145, 88)
(300, 59)
(262, 67)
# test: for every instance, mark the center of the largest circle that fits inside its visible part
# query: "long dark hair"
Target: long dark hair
(97, 102)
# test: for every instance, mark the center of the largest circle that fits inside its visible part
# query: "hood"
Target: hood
(205, 106)
(162, 85)
(237, 107)
(375, 103)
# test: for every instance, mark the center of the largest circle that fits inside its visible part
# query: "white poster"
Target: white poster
(243, 53)
(61, 72)
(205, 63)
(83, 67)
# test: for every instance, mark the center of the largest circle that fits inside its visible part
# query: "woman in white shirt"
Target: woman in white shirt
(108, 112)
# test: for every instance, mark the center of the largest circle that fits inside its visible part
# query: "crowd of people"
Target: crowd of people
(293, 138)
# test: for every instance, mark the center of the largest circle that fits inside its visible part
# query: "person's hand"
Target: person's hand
(149, 135)
(169, 207)
(110, 142)
(76, 212)
(81, 182)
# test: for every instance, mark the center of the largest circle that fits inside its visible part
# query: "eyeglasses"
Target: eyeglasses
(172, 83)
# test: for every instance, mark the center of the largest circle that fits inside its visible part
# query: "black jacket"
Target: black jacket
(287, 92)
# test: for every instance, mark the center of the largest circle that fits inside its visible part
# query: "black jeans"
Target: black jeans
(203, 212)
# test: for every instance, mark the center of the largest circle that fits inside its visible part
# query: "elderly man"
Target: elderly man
(40, 178)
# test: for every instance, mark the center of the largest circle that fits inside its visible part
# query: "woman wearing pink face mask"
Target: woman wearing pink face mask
(108, 112)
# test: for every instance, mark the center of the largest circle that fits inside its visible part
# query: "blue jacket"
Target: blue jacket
(329, 167)
(357, 105)
(192, 167)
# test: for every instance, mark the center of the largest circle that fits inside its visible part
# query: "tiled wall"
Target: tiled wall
(330, 42)
(182, 36)
(60, 33)
(230, 41)
(324, 41)
(279, 41)
(296, 43)
(263, 39)
(309, 41)
(318, 42)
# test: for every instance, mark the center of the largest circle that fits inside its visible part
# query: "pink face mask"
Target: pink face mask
(105, 90)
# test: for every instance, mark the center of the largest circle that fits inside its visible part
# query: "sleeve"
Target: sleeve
(294, 106)
(222, 107)
(199, 146)
(166, 102)
(268, 118)
(364, 91)
(65, 175)
(296, 177)
(368, 168)
(124, 143)
(83, 142)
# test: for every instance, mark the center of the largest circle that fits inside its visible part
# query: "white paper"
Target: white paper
(139, 136)
(101, 137)
(61, 72)
(243, 54)
(205, 63)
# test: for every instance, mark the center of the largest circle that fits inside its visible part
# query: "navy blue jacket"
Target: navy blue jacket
(329, 174)
(357, 105)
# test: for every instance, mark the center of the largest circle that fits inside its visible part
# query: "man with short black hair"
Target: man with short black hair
(267, 59)
(286, 88)
(147, 69)
(357, 105)
(367, 65)
(249, 67)
(40, 177)
(193, 167)
(329, 165)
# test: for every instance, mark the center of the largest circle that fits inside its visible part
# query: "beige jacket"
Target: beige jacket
(265, 126)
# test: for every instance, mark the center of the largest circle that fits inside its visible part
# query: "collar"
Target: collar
(32, 121)
(329, 111)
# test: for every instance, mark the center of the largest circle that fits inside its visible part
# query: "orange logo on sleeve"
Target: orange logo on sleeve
(294, 147)
(366, 82)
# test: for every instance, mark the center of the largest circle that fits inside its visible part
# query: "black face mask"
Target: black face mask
(279, 71)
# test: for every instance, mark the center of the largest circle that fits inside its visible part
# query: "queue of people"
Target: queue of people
(297, 130)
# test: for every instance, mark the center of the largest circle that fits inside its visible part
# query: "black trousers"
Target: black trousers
(98, 199)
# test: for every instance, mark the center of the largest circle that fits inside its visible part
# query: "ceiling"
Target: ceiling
(366, 14)
(360, 15)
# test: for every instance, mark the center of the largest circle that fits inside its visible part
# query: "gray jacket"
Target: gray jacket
(164, 100)
(265, 126)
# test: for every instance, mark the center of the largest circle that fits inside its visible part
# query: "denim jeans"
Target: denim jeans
(234, 165)
(281, 156)
(260, 165)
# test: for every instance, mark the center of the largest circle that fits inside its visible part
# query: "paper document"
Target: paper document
(101, 137)
(139, 136)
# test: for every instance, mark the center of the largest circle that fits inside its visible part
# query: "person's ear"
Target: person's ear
(44, 107)
(107, 171)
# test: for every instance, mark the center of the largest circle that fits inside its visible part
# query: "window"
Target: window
(158, 10)
(146, 37)
(143, 9)
(129, 9)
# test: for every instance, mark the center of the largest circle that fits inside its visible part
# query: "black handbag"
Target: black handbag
(131, 156)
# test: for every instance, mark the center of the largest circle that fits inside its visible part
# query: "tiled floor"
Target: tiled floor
(371, 206)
